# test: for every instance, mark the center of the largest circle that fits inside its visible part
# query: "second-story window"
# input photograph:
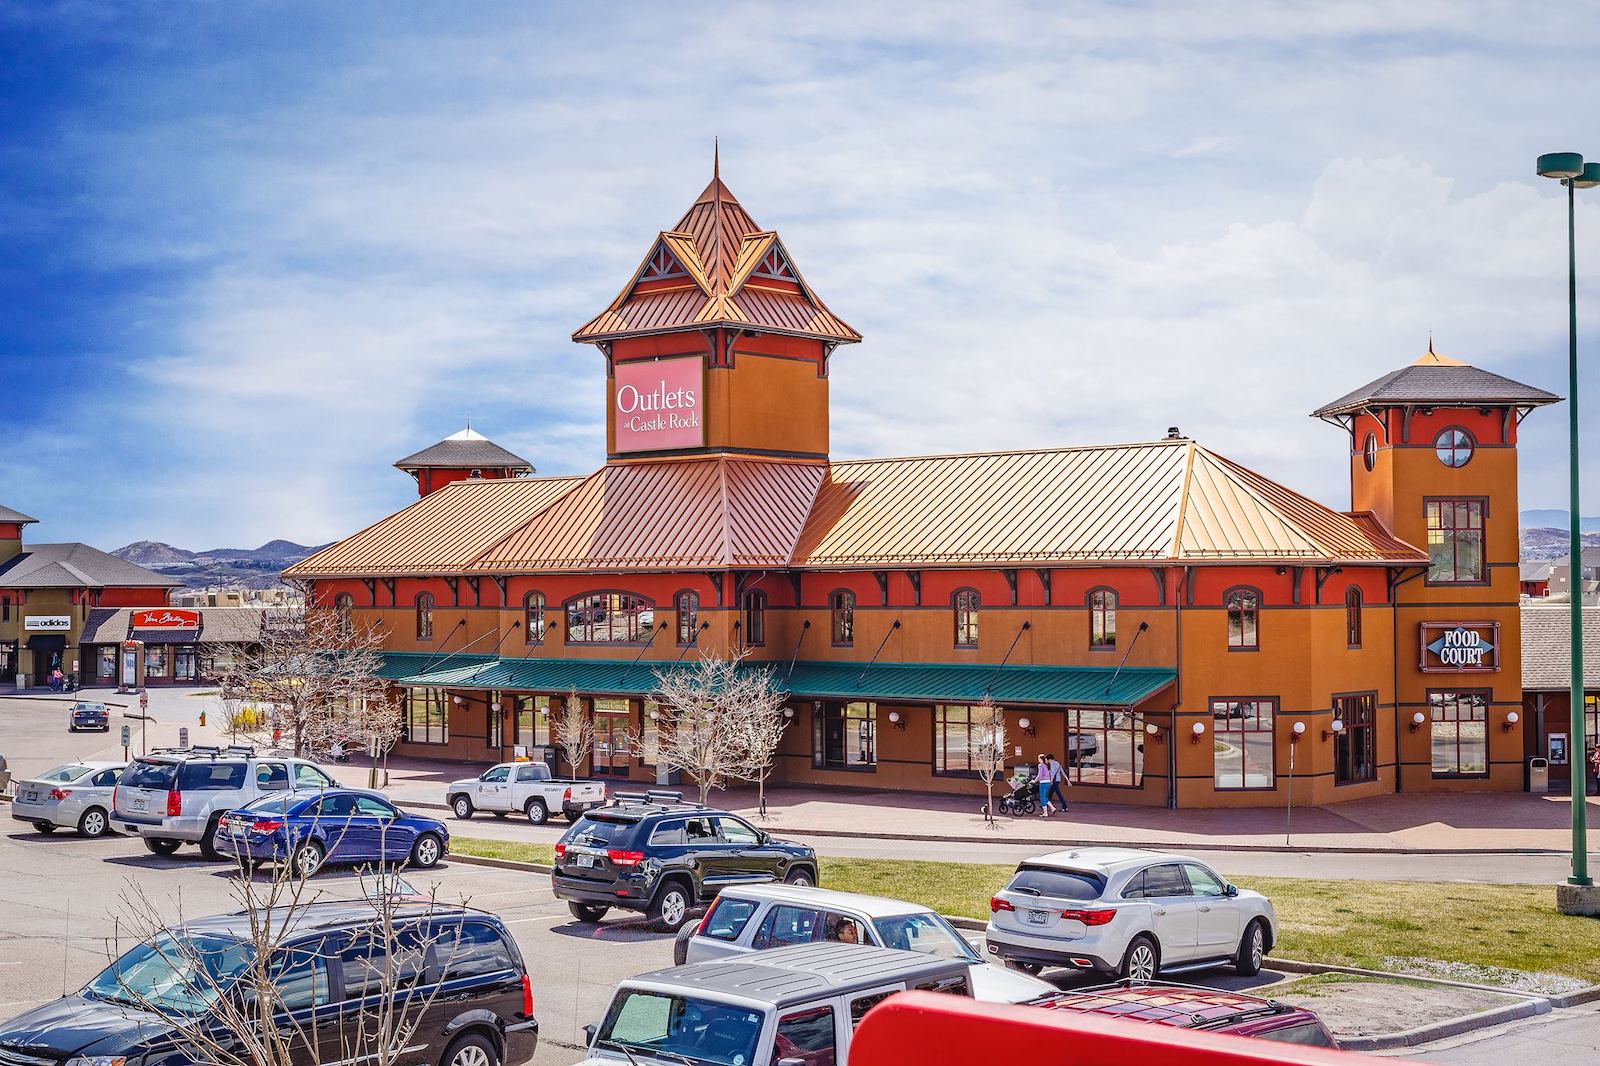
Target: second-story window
(966, 605)
(1102, 619)
(609, 618)
(1352, 617)
(343, 604)
(843, 605)
(533, 619)
(687, 606)
(1243, 604)
(1455, 541)
(424, 616)
(755, 618)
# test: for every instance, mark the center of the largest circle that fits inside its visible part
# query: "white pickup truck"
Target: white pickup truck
(526, 787)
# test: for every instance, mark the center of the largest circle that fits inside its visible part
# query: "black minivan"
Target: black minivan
(473, 998)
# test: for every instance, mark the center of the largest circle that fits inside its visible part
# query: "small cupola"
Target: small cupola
(460, 457)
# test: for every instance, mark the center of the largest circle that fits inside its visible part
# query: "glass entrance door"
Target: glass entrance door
(611, 752)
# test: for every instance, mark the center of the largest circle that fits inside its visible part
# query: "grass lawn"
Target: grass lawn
(1350, 923)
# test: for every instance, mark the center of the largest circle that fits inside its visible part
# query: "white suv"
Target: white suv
(1129, 913)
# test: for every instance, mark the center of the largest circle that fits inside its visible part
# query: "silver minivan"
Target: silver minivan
(74, 796)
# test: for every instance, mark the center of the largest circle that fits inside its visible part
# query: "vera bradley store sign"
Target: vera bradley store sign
(658, 405)
(1460, 647)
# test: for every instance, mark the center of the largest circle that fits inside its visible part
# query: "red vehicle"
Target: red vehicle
(1188, 1007)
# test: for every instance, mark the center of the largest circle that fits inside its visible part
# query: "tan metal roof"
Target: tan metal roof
(439, 534)
(673, 514)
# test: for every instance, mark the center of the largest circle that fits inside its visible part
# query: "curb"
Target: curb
(1425, 1034)
(1296, 966)
(501, 864)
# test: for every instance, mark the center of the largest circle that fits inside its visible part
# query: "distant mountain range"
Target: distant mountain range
(1553, 519)
(255, 568)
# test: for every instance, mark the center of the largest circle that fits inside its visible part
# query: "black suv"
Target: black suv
(473, 1002)
(652, 852)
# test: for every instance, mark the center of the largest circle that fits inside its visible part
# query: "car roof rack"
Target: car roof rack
(653, 798)
(210, 751)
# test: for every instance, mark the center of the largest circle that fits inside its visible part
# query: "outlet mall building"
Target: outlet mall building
(1175, 626)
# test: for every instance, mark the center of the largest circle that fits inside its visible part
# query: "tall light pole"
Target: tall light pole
(1570, 169)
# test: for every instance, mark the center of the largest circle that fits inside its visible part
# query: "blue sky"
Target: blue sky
(251, 254)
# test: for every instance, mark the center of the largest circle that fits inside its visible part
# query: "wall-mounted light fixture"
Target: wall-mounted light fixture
(897, 720)
(1154, 732)
(1334, 729)
(1297, 731)
(458, 700)
(495, 706)
(1417, 720)
(1027, 727)
(655, 715)
(1197, 731)
(1511, 721)
(788, 712)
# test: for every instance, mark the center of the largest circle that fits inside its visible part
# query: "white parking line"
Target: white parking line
(539, 918)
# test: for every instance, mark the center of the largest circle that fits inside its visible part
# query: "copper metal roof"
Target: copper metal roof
(1438, 379)
(440, 533)
(719, 246)
(670, 514)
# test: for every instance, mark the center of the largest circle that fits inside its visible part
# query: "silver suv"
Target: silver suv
(178, 797)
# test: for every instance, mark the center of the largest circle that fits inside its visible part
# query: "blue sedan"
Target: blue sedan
(311, 829)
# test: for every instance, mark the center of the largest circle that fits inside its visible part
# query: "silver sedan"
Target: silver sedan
(77, 795)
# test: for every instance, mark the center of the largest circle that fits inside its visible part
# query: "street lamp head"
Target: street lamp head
(1589, 178)
(1561, 165)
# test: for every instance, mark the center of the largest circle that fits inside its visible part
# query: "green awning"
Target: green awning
(399, 665)
(933, 683)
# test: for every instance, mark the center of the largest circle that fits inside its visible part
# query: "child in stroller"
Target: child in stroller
(1024, 797)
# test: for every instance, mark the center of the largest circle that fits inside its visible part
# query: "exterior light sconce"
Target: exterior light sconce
(544, 712)
(788, 712)
(1417, 720)
(1297, 731)
(1197, 731)
(1154, 732)
(457, 700)
(1334, 729)
(897, 720)
(495, 706)
(655, 716)
(1027, 727)
(1510, 723)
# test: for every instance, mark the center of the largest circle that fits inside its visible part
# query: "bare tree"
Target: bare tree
(719, 720)
(303, 678)
(989, 749)
(573, 732)
(367, 725)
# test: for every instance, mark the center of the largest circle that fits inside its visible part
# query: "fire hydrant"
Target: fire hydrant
(202, 717)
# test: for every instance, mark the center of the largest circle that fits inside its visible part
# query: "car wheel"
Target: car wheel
(1142, 961)
(208, 840)
(308, 858)
(1030, 968)
(680, 946)
(800, 876)
(670, 908)
(426, 852)
(158, 846)
(536, 811)
(587, 912)
(462, 806)
(93, 823)
(45, 827)
(471, 1050)
(1252, 946)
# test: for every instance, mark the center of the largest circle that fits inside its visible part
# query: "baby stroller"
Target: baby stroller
(1024, 797)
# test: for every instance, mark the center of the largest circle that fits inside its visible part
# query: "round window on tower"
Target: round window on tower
(1369, 451)
(1453, 447)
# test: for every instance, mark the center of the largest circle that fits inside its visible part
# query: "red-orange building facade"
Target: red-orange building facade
(1161, 617)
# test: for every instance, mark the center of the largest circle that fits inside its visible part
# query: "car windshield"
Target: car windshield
(684, 1027)
(180, 975)
(70, 772)
(926, 933)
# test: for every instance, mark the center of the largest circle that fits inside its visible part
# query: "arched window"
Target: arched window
(343, 604)
(966, 605)
(1352, 616)
(533, 619)
(424, 616)
(755, 618)
(843, 606)
(1243, 604)
(610, 618)
(687, 606)
(1102, 619)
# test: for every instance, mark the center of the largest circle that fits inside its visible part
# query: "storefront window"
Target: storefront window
(686, 605)
(755, 618)
(533, 722)
(427, 716)
(1460, 730)
(1243, 743)
(1242, 607)
(183, 662)
(966, 604)
(424, 616)
(1104, 748)
(845, 737)
(155, 661)
(1102, 619)
(533, 617)
(958, 729)
(1455, 541)
(1352, 617)
(1355, 748)
(105, 663)
(609, 618)
(843, 605)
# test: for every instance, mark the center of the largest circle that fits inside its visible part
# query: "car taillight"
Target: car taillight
(266, 825)
(625, 858)
(561, 852)
(113, 797)
(1090, 917)
(996, 905)
(174, 803)
(60, 793)
(566, 797)
(527, 996)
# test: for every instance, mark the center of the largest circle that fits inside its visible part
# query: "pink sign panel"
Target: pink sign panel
(658, 405)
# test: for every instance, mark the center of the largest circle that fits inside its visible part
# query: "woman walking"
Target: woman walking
(1044, 783)
(1058, 778)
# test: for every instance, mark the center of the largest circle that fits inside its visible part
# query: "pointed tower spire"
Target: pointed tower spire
(716, 159)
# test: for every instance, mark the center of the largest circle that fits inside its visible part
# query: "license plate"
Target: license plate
(1038, 917)
(237, 828)
(32, 797)
(138, 804)
(585, 861)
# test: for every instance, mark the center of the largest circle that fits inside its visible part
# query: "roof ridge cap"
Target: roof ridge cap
(1164, 443)
(1183, 501)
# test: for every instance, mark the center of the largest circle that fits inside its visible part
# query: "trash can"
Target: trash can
(1538, 776)
(665, 776)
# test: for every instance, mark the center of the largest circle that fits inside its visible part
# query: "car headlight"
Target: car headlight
(98, 1060)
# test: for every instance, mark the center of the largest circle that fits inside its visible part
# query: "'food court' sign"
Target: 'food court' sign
(658, 405)
(1460, 647)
